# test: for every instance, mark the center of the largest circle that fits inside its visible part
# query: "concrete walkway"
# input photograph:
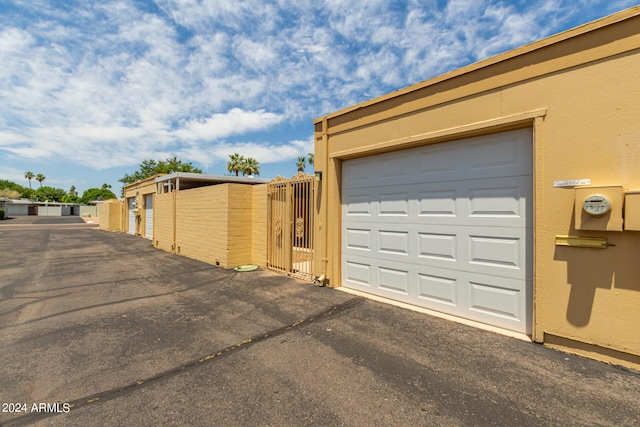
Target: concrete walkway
(34, 222)
(118, 333)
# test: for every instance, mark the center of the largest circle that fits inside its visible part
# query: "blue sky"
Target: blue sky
(89, 89)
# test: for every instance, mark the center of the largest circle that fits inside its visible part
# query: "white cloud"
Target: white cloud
(116, 82)
(235, 122)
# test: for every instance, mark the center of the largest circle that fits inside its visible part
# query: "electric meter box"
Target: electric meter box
(632, 210)
(599, 208)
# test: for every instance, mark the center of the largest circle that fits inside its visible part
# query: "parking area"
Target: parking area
(107, 330)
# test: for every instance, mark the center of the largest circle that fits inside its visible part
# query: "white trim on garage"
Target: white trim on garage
(447, 227)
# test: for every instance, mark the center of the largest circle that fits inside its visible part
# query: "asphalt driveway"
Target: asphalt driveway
(116, 332)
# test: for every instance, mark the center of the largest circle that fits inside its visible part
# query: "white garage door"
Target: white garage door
(446, 227)
(132, 216)
(148, 217)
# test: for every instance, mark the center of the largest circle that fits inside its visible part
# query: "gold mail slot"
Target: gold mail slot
(582, 242)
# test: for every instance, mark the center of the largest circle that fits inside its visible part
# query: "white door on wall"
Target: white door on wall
(446, 226)
(148, 217)
(132, 215)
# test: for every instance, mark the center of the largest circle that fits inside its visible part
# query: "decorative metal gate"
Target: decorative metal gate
(290, 240)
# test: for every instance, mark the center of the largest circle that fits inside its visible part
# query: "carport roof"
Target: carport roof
(186, 180)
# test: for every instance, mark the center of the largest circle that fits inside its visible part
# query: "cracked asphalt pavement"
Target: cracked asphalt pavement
(116, 332)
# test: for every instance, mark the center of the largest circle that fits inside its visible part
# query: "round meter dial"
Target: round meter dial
(597, 205)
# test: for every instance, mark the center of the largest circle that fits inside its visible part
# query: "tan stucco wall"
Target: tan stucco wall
(110, 214)
(138, 190)
(579, 92)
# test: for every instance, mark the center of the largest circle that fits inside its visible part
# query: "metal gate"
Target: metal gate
(290, 239)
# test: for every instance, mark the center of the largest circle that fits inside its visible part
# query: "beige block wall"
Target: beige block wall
(224, 224)
(110, 214)
(259, 225)
(580, 96)
(164, 221)
(201, 224)
(239, 233)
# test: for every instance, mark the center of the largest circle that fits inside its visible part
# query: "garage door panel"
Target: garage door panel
(500, 155)
(357, 239)
(437, 289)
(503, 198)
(437, 163)
(438, 246)
(357, 175)
(503, 204)
(498, 301)
(358, 275)
(437, 203)
(393, 242)
(358, 204)
(497, 252)
(394, 280)
(451, 232)
(488, 250)
(393, 204)
(385, 277)
(494, 300)
(391, 168)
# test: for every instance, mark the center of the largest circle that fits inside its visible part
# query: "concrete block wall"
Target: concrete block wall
(259, 225)
(239, 233)
(110, 215)
(90, 211)
(164, 221)
(224, 224)
(201, 224)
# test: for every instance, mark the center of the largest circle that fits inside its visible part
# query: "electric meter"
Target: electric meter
(597, 205)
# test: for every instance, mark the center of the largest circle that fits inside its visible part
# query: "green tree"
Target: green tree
(301, 163)
(71, 196)
(29, 175)
(251, 167)
(236, 163)
(49, 194)
(151, 167)
(10, 185)
(310, 157)
(39, 178)
(93, 194)
(106, 186)
(7, 193)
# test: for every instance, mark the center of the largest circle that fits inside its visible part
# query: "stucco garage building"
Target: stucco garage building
(464, 194)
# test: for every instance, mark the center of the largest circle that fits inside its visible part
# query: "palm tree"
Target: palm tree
(236, 163)
(72, 191)
(29, 175)
(310, 156)
(251, 167)
(106, 186)
(40, 178)
(302, 161)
